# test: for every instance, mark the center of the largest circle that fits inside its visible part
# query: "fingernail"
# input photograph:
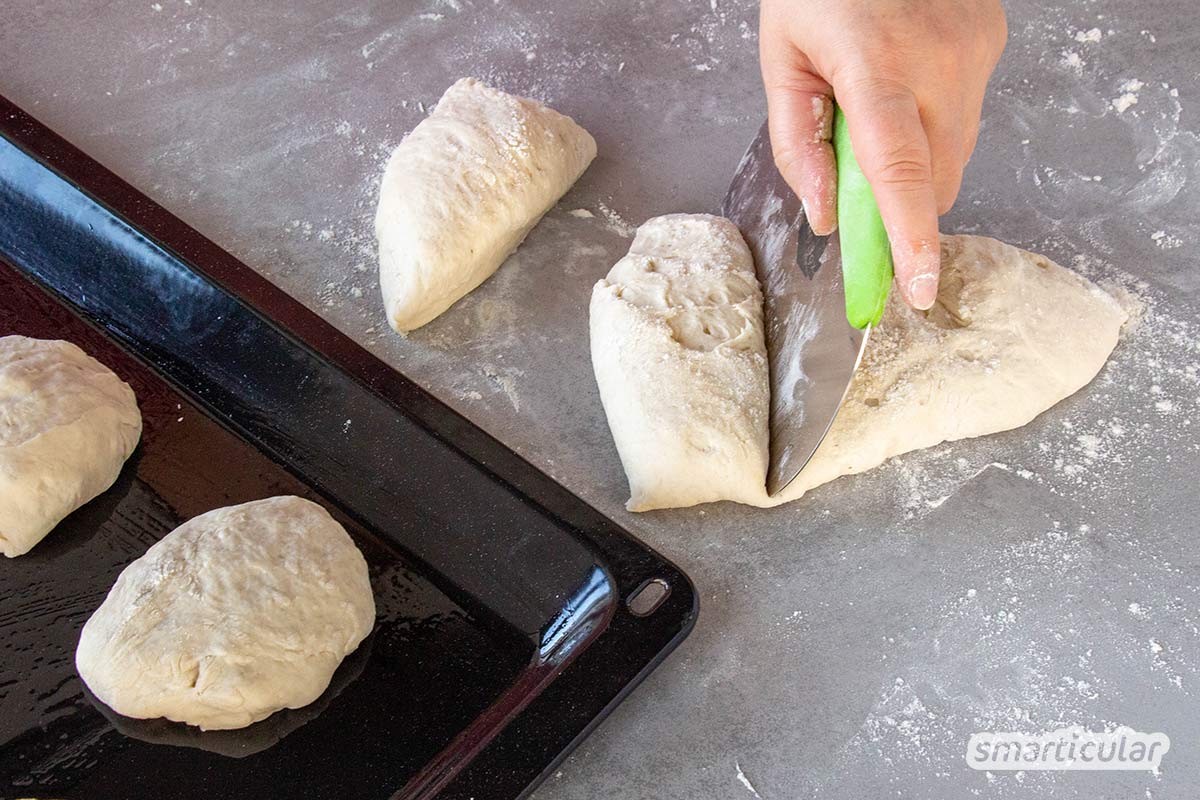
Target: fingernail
(922, 291)
(822, 224)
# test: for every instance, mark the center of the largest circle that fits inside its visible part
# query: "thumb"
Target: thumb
(892, 148)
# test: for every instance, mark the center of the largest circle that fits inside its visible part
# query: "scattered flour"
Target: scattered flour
(615, 222)
(1129, 96)
(505, 381)
(742, 779)
(1034, 666)
(1073, 61)
(1166, 240)
(1124, 102)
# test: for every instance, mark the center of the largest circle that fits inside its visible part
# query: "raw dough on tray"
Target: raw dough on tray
(462, 191)
(237, 613)
(1011, 334)
(67, 424)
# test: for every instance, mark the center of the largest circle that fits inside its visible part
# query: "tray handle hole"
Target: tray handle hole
(646, 599)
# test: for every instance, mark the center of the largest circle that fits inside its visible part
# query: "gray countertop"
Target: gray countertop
(850, 643)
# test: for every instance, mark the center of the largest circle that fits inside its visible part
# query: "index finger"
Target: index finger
(892, 148)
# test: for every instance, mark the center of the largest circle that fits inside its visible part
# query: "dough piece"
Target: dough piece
(678, 350)
(234, 615)
(1011, 334)
(462, 190)
(67, 424)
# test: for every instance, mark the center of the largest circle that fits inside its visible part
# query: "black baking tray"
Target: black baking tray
(504, 631)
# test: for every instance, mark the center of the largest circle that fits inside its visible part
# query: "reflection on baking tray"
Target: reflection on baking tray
(245, 741)
(583, 614)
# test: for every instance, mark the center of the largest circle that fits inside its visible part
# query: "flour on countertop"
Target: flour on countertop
(1088, 452)
(1129, 98)
(615, 222)
(741, 775)
(976, 658)
(1166, 240)
(1073, 61)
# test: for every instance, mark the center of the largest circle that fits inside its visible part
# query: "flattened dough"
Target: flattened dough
(67, 424)
(236, 614)
(462, 191)
(1011, 334)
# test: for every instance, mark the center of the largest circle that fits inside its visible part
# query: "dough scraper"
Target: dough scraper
(822, 294)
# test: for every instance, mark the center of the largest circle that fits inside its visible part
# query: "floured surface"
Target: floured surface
(808, 620)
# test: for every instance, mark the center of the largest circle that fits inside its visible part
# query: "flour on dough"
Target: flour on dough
(236, 614)
(678, 351)
(1011, 334)
(462, 191)
(67, 424)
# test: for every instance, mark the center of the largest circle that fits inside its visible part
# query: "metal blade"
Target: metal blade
(812, 350)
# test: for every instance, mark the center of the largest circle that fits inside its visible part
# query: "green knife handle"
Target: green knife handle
(866, 252)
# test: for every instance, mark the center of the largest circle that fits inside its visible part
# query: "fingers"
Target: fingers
(800, 115)
(801, 124)
(973, 115)
(946, 157)
(893, 149)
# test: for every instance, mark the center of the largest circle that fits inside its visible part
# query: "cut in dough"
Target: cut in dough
(462, 190)
(677, 346)
(1011, 334)
(236, 614)
(67, 424)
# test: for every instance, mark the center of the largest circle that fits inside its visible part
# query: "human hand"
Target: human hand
(910, 76)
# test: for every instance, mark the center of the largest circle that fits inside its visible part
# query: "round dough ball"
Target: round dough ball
(234, 615)
(67, 424)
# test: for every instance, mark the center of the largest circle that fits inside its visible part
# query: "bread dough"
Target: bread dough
(67, 424)
(678, 351)
(1011, 334)
(236, 614)
(462, 190)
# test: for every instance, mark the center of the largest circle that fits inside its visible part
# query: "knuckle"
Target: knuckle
(903, 168)
(786, 158)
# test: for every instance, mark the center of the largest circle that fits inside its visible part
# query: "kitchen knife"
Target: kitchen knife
(813, 348)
